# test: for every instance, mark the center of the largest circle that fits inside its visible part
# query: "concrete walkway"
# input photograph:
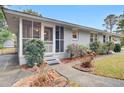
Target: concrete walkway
(8, 78)
(86, 79)
(10, 71)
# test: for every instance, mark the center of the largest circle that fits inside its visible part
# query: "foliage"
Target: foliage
(102, 48)
(122, 41)
(94, 46)
(117, 48)
(5, 35)
(2, 21)
(110, 45)
(82, 50)
(30, 11)
(110, 22)
(76, 50)
(1, 46)
(34, 52)
(120, 25)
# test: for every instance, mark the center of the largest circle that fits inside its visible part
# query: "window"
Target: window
(91, 37)
(104, 38)
(75, 35)
(59, 39)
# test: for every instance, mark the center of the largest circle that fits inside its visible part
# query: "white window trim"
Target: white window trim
(77, 35)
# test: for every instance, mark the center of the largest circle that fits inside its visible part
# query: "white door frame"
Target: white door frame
(53, 46)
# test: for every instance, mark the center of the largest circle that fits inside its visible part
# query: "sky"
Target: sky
(86, 15)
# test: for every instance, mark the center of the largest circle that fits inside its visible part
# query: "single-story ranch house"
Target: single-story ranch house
(57, 34)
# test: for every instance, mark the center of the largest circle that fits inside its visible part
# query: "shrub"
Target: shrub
(94, 46)
(117, 48)
(1, 46)
(110, 45)
(82, 50)
(76, 50)
(102, 50)
(34, 52)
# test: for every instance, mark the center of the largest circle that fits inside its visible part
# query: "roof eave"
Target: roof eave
(55, 21)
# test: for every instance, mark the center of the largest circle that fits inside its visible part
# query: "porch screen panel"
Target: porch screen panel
(48, 38)
(36, 29)
(27, 29)
(31, 30)
(59, 39)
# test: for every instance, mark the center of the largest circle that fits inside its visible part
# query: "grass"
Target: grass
(110, 66)
(73, 84)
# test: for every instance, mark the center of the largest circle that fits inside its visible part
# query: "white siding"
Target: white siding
(83, 38)
(100, 38)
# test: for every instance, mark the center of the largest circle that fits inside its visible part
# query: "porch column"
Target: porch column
(54, 40)
(42, 31)
(20, 37)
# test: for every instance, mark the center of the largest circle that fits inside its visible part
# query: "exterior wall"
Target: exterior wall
(100, 38)
(83, 38)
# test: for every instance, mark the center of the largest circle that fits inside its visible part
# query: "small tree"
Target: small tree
(30, 11)
(120, 25)
(34, 52)
(110, 22)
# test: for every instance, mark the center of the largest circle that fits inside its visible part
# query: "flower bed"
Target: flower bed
(69, 60)
(43, 77)
(50, 79)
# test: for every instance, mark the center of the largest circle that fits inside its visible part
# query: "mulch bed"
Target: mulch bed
(43, 77)
(79, 67)
(51, 79)
(69, 60)
(33, 69)
(77, 59)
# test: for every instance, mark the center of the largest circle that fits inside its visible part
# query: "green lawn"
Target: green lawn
(110, 66)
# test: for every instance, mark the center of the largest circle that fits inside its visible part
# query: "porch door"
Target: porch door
(59, 39)
(48, 39)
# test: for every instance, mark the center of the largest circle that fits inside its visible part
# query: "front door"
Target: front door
(48, 39)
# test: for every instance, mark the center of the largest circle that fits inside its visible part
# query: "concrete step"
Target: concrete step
(51, 59)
